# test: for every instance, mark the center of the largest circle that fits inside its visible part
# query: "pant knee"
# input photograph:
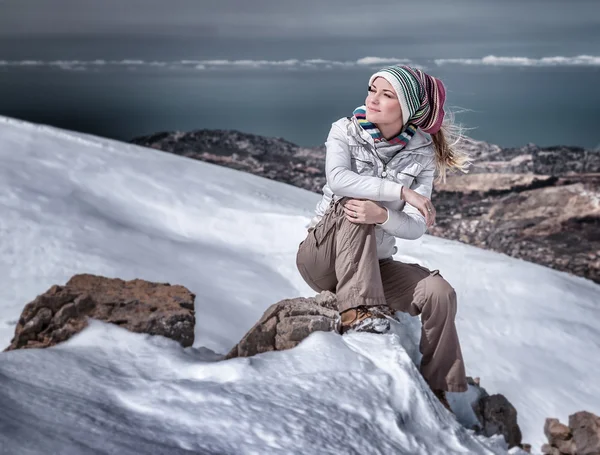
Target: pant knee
(441, 295)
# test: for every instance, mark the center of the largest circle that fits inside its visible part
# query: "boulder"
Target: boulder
(499, 416)
(286, 323)
(581, 437)
(137, 305)
(585, 427)
(496, 415)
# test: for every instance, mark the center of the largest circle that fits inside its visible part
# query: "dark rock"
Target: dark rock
(498, 416)
(137, 305)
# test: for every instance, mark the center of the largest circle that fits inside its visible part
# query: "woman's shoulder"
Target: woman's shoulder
(341, 128)
(342, 122)
(421, 142)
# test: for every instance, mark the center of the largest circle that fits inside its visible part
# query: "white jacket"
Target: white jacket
(353, 170)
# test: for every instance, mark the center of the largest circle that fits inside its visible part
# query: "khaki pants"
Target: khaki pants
(340, 256)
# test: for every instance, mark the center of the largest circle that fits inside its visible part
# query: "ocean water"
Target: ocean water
(508, 106)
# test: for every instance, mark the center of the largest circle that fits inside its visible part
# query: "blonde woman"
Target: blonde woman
(380, 167)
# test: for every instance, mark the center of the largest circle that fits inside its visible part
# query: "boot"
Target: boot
(373, 319)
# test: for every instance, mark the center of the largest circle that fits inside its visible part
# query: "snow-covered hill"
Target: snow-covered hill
(73, 203)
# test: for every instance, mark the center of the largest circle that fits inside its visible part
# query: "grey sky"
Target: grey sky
(292, 18)
(294, 29)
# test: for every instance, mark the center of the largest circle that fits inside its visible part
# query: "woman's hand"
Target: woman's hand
(422, 203)
(364, 212)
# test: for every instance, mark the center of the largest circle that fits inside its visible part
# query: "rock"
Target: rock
(585, 427)
(549, 450)
(559, 436)
(137, 305)
(497, 416)
(285, 324)
(556, 431)
(566, 447)
(581, 437)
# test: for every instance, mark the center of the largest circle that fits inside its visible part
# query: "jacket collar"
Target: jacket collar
(419, 141)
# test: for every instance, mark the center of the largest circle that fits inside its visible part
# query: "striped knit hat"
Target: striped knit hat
(421, 96)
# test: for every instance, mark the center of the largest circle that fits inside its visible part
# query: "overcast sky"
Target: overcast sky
(297, 29)
(277, 18)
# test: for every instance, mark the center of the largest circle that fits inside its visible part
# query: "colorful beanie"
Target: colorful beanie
(421, 96)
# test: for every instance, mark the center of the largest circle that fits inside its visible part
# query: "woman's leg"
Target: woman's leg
(414, 289)
(341, 257)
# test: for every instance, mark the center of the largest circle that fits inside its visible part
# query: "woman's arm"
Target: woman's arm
(409, 223)
(346, 183)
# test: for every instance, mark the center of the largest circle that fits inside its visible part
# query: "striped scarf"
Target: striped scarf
(401, 139)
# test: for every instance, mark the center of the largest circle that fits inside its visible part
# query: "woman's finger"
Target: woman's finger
(428, 216)
(353, 211)
(348, 211)
(353, 216)
(429, 212)
(424, 212)
(433, 213)
(352, 204)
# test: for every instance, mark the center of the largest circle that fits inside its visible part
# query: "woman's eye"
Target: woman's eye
(373, 91)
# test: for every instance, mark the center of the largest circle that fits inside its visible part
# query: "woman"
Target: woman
(380, 166)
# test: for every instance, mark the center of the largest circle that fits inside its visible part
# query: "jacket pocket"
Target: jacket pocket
(323, 229)
(362, 166)
(409, 173)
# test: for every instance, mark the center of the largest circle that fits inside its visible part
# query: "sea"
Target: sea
(506, 105)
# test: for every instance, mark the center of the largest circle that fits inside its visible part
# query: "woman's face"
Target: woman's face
(383, 106)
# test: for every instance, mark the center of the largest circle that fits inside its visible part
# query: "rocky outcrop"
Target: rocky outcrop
(285, 324)
(137, 305)
(273, 158)
(540, 204)
(556, 225)
(581, 437)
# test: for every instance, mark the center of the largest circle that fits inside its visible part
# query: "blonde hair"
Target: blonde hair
(450, 143)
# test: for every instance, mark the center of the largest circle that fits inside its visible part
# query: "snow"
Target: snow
(73, 203)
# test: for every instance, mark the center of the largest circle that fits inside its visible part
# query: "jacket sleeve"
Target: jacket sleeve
(344, 182)
(409, 223)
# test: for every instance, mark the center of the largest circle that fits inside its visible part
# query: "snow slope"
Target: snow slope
(73, 203)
